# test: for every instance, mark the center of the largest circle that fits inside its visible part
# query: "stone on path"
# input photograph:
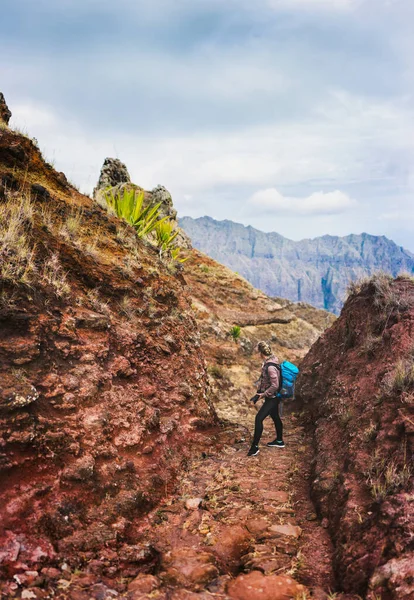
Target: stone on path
(286, 530)
(232, 542)
(189, 567)
(144, 584)
(257, 526)
(275, 495)
(256, 586)
(193, 503)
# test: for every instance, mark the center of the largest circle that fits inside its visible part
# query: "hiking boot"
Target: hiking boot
(276, 444)
(254, 450)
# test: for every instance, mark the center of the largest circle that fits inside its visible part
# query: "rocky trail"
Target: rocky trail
(248, 529)
(236, 528)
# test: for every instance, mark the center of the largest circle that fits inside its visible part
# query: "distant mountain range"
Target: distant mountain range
(316, 271)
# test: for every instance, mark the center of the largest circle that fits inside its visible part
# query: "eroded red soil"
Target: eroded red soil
(357, 386)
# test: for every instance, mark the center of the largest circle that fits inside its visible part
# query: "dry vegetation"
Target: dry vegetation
(386, 297)
(401, 379)
(386, 476)
(34, 236)
(21, 262)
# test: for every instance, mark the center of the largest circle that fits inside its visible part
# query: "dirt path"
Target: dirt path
(236, 528)
(241, 528)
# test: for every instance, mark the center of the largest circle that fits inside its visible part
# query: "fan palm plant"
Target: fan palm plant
(129, 205)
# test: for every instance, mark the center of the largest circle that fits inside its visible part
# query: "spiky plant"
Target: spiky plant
(129, 205)
(166, 234)
(235, 332)
(175, 255)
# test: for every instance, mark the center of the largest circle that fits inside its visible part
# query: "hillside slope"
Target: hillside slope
(315, 271)
(103, 384)
(357, 390)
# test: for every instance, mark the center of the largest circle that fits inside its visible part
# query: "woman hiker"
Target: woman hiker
(267, 390)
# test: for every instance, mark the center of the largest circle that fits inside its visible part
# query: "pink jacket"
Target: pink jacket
(269, 378)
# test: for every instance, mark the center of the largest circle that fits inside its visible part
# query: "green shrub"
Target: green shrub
(235, 332)
(129, 205)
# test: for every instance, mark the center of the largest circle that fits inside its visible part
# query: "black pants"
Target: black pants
(270, 408)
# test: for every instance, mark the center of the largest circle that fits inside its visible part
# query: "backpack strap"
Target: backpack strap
(278, 367)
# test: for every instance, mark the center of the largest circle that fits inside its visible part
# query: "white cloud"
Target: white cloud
(330, 5)
(318, 203)
(34, 116)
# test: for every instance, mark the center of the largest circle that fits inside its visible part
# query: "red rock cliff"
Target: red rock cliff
(358, 385)
(103, 382)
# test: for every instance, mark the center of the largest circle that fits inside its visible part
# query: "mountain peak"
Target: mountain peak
(317, 271)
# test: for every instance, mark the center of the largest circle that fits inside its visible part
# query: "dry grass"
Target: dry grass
(8, 300)
(71, 228)
(401, 379)
(385, 294)
(96, 303)
(127, 308)
(20, 261)
(52, 274)
(371, 344)
(17, 254)
(386, 477)
(404, 276)
(355, 287)
(216, 371)
(47, 218)
(370, 432)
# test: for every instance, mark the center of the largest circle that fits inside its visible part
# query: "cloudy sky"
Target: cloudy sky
(295, 116)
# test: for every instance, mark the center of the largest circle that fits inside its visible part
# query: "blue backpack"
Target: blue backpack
(288, 373)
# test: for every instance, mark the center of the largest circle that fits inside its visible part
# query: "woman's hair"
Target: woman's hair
(264, 348)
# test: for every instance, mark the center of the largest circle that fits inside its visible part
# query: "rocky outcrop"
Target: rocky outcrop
(162, 196)
(357, 388)
(113, 173)
(103, 394)
(315, 271)
(114, 178)
(5, 114)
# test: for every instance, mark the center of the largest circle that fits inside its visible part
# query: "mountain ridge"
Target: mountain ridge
(314, 270)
